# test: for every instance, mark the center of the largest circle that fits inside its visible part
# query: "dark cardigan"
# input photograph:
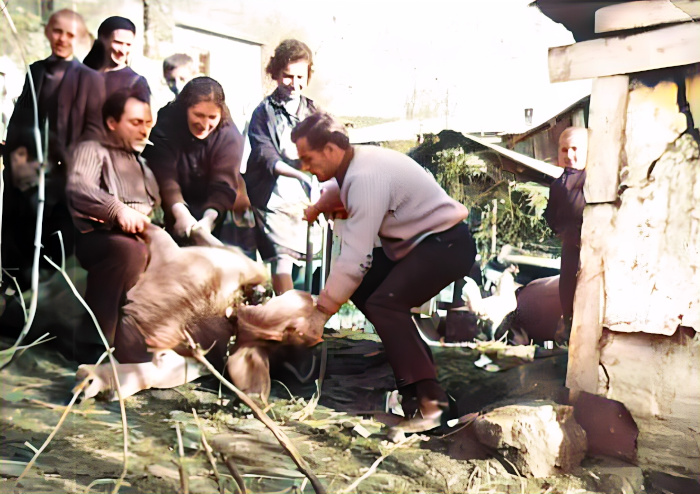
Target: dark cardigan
(79, 98)
(564, 213)
(126, 78)
(260, 177)
(203, 174)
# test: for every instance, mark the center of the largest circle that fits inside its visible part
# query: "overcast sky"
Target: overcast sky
(474, 57)
(476, 62)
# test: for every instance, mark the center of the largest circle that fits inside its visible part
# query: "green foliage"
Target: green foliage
(537, 196)
(31, 32)
(462, 174)
(520, 208)
(474, 178)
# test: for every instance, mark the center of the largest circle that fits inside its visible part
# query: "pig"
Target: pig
(538, 312)
(194, 289)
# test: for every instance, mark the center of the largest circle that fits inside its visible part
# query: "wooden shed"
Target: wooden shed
(542, 141)
(637, 307)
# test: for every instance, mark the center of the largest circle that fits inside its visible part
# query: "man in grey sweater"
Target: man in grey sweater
(425, 245)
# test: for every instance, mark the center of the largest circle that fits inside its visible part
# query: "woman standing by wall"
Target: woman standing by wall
(278, 189)
(111, 54)
(196, 158)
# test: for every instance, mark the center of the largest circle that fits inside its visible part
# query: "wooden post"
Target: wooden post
(664, 47)
(494, 230)
(587, 328)
(605, 140)
(644, 13)
(605, 144)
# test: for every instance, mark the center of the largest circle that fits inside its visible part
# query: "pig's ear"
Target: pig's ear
(249, 370)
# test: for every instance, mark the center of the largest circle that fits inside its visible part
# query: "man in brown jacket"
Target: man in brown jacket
(111, 194)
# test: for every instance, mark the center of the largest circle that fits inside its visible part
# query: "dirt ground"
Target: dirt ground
(87, 450)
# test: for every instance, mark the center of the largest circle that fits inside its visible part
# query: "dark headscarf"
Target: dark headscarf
(95, 59)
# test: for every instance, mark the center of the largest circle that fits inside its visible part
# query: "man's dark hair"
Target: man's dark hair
(289, 51)
(174, 61)
(114, 106)
(204, 89)
(319, 129)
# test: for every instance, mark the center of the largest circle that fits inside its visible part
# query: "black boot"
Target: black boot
(432, 407)
(409, 400)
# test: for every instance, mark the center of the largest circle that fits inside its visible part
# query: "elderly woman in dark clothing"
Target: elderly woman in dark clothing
(196, 158)
(564, 215)
(277, 188)
(111, 53)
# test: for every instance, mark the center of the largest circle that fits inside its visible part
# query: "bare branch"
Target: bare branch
(78, 390)
(184, 478)
(260, 415)
(113, 364)
(41, 192)
(235, 473)
(14, 280)
(208, 452)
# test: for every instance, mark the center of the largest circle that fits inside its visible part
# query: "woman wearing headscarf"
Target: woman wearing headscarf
(196, 158)
(111, 54)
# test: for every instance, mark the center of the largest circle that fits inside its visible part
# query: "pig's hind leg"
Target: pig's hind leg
(167, 370)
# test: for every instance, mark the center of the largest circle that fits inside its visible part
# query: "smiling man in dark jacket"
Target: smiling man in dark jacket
(69, 98)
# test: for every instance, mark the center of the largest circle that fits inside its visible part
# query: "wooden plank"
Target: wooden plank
(664, 47)
(587, 328)
(605, 138)
(632, 15)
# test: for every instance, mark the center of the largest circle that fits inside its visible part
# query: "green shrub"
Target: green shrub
(473, 177)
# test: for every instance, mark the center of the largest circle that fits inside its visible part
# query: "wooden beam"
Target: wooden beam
(633, 15)
(587, 327)
(665, 47)
(606, 124)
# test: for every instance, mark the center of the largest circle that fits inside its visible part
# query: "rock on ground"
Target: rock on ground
(540, 438)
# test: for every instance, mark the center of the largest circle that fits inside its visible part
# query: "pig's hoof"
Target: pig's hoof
(99, 381)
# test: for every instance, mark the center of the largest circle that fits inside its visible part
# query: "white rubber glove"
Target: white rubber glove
(184, 221)
(208, 220)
